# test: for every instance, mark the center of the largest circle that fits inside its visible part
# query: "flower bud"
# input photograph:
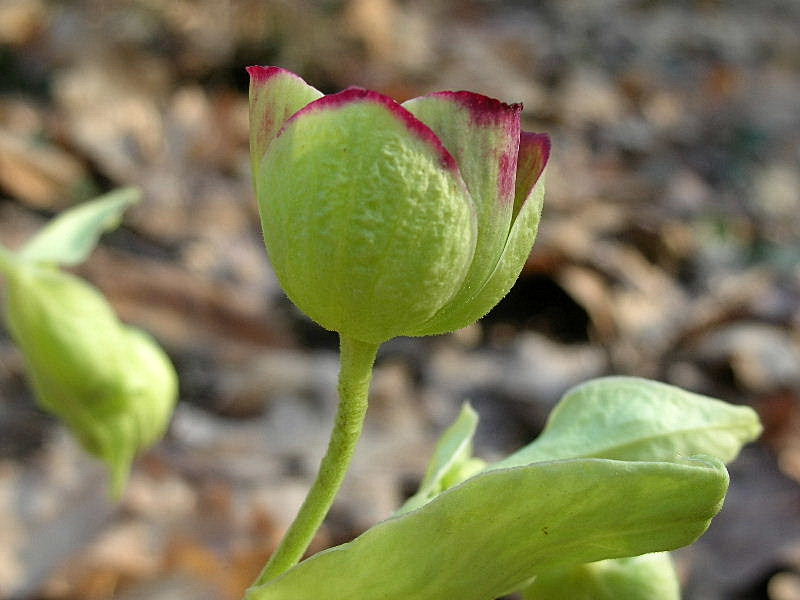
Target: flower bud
(112, 384)
(645, 577)
(384, 219)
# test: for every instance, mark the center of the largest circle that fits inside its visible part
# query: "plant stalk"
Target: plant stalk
(355, 374)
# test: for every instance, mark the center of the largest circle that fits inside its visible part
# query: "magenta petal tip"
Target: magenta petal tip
(534, 151)
(540, 141)
(484, 109)
(261, 74)
(357, 94)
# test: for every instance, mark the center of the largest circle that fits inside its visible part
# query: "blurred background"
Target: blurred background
(669, 249)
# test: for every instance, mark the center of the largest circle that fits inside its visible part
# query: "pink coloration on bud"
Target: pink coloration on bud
(263, 74)
(357, 94)
(538, 145)
(485, 110)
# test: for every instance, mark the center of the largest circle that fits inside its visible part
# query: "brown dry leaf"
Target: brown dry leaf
(22, 117)
(784, 586)
(201, 563)
(179, 307)
(96, 583)
(778, 412)
(21, 21)
(39, 175)
(111, 108)
(591, 291)
(17, 225)
(374, 21)
(246, 564)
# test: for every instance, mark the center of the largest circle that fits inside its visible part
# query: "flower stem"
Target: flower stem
(355, 373)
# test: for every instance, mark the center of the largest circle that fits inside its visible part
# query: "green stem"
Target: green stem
(355, 374)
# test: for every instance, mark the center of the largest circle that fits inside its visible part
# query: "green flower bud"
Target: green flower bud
(384, 219)
(112, 384)
(646, 577)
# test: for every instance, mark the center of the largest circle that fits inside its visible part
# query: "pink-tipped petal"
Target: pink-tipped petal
(534, 152)
(415, 126)
(483, 135)
(481, 132)
(275, 94)
(262, 74)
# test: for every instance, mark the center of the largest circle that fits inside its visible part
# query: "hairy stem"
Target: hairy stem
(355, 374)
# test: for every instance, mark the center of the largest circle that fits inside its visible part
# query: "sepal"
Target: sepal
(366, 218)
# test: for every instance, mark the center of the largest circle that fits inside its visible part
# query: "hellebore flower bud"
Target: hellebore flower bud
(645, 577)
(112, 384)
(384, 219)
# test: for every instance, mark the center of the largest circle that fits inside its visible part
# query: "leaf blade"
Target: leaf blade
(70, 237)
(495, 531)
(628, 418)
(454, 448)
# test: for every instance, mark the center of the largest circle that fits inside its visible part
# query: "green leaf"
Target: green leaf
(646, 577)
(452, 460)
(71, 236)
(495, 531)
(628, 418)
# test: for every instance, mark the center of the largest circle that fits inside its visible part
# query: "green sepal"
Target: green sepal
(367, 221)
(483, 136)
(471, 304)
(275, 95)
